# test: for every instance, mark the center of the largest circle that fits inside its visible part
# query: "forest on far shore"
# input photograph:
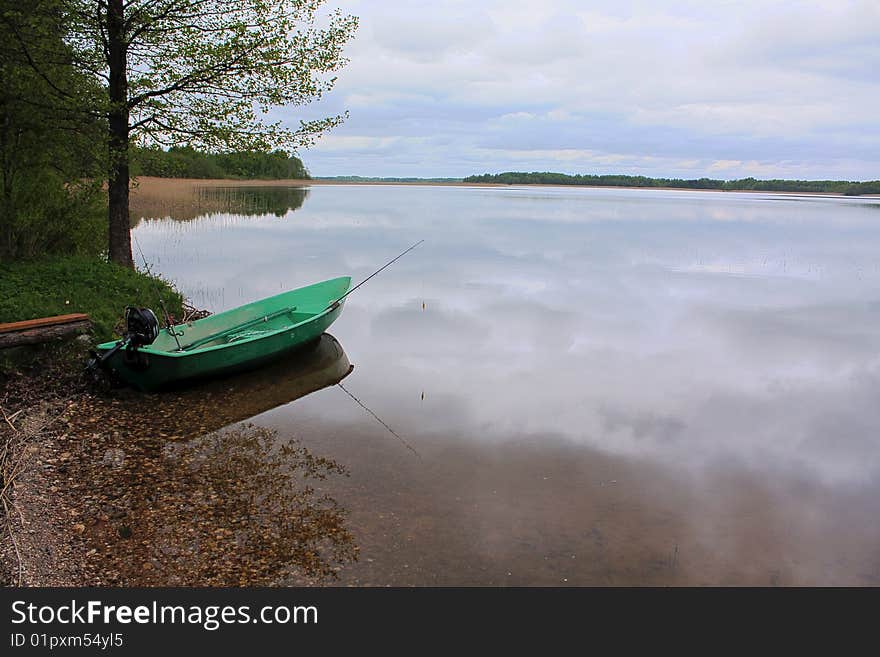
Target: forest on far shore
(187, 162)
(845, 187)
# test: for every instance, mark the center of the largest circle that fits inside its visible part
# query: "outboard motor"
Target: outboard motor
(141, 329)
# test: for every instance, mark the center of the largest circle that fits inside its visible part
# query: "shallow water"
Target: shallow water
(603, 386)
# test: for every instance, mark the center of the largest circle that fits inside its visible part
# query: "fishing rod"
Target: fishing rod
(168, 328)
(334, 304)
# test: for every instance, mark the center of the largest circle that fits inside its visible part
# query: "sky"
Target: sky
(724, 89)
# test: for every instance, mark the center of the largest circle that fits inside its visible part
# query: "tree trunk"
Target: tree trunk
(119, 246)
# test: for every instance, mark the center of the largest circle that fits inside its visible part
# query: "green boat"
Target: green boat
(234, 340)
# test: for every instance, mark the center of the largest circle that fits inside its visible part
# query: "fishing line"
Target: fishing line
(379, 420)
(168, 327)
(335, 304)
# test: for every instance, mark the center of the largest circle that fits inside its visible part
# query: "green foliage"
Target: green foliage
(187, 162)
(161, 73)
(205, 73)
(857, 188)
(57, 286)
(46, 215)
(49, 143)
(743, 184)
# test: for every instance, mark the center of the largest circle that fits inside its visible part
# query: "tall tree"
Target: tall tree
(203, 73)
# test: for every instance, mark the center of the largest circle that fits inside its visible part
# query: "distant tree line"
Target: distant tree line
(387, 179)
(187, 162)
(743, 184)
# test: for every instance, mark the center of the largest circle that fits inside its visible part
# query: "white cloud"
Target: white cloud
(789, 85)
(333, 143)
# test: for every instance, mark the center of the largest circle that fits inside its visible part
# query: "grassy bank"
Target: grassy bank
(61, 285)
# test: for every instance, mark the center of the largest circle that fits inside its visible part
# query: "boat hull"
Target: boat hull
(161, 365)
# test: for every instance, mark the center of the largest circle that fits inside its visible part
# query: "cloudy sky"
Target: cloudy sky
(725, 89)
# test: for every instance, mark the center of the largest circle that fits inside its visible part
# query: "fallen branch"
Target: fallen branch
(191, 313)
(14, 542)
(10, 418)
(12, 464)
(10, 467)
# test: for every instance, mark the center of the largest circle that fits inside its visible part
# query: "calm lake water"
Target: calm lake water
(603, 386)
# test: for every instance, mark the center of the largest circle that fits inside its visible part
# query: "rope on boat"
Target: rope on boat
(379, 420)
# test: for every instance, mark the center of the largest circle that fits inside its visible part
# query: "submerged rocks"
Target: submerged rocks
(114, 457)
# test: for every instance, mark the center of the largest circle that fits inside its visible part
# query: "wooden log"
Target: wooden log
(35, 331)
(42, 321)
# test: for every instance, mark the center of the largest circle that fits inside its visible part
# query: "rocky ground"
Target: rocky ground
(33, 398)
(105, 486)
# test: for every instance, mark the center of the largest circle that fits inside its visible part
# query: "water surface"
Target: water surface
(603, 386)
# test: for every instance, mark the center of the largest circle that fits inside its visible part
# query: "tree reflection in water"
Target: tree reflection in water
(185, 200)
(254, 200)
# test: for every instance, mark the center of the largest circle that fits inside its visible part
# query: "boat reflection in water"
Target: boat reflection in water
(195, 409)
(197, 497)
(238, 398)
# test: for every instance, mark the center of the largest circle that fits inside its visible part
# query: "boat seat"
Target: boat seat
(244, 335)
(240, 332)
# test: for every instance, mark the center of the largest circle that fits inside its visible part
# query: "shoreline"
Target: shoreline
(194, 183)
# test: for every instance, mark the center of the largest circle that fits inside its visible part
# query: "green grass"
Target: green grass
(62, 285)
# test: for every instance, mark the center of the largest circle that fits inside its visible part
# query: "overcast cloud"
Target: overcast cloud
(724, 89)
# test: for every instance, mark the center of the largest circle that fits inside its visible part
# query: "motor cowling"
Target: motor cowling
(141, 326)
